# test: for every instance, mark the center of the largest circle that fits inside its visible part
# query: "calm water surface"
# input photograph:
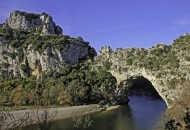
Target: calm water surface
(142, 113)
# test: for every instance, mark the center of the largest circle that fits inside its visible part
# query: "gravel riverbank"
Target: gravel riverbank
(61, 112)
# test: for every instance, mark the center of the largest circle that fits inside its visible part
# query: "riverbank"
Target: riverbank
(66, 112)
(61, 112)
(74, 111)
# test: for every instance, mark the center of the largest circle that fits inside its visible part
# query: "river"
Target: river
(142, 113)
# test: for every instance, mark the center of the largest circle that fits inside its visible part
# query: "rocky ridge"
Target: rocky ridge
(165, 66)
(25, 50)
(26, 21)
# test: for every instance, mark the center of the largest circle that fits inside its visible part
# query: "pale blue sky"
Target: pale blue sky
(117, 23)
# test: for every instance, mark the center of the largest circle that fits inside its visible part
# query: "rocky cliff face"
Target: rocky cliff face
(166, 67)
(34, 63)
(27, 21)
(23, 52)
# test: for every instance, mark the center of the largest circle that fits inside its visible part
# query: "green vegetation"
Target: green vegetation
(74, 85)
(22, 38)
(129, 61)
(107, 64)
(158, 58)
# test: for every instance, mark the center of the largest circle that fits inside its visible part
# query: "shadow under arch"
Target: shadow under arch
(142, 86)
(146, 105)
(139, 86)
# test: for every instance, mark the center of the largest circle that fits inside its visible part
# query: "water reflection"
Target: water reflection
(147, 111)
(124, 120)
(142, 113)
(120, 119)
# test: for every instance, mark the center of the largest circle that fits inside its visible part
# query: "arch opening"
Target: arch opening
(137, 86)
(142, 87)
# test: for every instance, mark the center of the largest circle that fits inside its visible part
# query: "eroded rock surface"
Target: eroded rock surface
(41, 22)
(32, 43)
(167, 67)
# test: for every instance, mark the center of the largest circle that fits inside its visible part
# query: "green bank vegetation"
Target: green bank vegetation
(73, 85)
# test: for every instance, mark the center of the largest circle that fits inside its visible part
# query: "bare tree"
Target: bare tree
(3, 118)
(43, 118)
(9, 121)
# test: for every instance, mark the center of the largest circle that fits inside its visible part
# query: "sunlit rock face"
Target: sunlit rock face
(26, 21)
(167, 67)
(34, 63)
(31, 44)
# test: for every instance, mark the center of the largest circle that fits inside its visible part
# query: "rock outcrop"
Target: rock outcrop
(34, 62)
(23, 52)
(166, 67)
(42, 23)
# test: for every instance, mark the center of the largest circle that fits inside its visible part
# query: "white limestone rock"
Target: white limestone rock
(27, 21)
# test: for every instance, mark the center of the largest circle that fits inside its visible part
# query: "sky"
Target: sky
(115, 23)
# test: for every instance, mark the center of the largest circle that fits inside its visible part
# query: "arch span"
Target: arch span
(139, 83)
(142, 86)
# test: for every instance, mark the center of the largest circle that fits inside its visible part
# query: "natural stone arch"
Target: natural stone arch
(127, 78)
(164, 66)
(141, 86)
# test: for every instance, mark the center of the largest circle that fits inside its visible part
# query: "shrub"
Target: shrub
(107, 64)
(129, 61)
(187, 58)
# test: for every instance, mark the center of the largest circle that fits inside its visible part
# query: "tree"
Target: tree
(64, 97)
(172, 125)
(107, 64)
(44, 118)
(19, 96)
(9, 121)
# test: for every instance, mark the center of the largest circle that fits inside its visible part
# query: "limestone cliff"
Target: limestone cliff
(165, 66)
(24, 51)
(41, 22)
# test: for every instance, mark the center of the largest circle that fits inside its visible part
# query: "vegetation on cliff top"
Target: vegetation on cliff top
(20, 39)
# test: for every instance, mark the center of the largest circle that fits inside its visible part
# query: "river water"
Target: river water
(142, 113)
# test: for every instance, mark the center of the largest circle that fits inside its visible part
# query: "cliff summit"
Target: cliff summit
(32, 43)
(26, 21)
